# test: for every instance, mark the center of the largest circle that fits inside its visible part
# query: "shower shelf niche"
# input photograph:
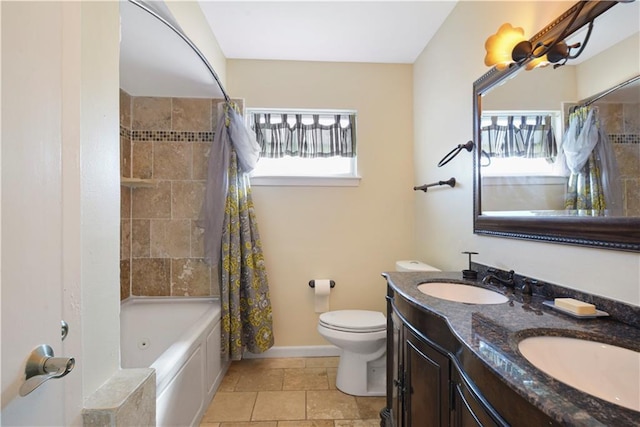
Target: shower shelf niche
(138, 182)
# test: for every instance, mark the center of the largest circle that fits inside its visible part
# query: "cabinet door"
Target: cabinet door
(468, 410)
(398, 379)
(427, 384)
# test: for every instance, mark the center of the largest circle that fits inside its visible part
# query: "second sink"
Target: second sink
(461, 293)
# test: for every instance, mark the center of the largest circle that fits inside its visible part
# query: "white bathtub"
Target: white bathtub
(180, 338)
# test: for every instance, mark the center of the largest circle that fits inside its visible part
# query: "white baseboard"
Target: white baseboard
(296, 351)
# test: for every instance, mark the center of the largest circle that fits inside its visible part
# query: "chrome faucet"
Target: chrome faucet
(492, 278)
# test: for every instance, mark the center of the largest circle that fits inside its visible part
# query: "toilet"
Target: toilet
(361, 336)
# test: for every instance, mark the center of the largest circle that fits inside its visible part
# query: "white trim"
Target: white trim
(308, 181)
(296, 351)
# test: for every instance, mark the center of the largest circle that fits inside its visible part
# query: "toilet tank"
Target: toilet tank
(412, 265)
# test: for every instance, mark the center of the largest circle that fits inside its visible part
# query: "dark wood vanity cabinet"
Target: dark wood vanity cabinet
(426, 388)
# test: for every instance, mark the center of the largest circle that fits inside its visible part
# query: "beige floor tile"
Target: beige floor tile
(209, 424)
(305, 379)
(331, 376)
(308, 423)
(370, 407)
(358, 423)
(227, 406)
(279, 405)
(251, 424)
(229, 380)
(260, 380)
(322, 362)
(270, 363)
(331, 405)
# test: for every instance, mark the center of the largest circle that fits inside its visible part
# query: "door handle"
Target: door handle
(43, 366)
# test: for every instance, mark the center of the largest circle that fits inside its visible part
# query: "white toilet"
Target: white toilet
(361, 336)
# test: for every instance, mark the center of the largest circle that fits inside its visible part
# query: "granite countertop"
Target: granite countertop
(492, 332)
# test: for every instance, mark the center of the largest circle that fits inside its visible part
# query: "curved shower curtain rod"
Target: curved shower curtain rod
(175, 27)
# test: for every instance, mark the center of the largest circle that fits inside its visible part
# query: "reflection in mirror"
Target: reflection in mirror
(559, 156)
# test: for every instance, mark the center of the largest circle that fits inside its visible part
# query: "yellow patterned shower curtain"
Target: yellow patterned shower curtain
(231, 238)
(593, 187)
(246, 307)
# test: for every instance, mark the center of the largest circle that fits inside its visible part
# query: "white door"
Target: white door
(31, 230)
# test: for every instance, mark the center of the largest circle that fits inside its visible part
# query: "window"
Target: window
(520, 143)
(304, 147)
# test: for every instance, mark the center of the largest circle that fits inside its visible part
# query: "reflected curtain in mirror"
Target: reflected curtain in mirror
(593, 187)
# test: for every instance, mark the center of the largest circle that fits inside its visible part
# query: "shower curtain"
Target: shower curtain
(593, 187)
(231, 238)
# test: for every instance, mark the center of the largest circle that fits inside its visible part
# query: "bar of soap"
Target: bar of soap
(575, 306)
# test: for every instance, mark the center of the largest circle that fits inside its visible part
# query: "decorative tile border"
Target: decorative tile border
(623, 138)
(166, 135)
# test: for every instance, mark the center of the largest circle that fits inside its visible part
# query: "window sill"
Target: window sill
(305, 181)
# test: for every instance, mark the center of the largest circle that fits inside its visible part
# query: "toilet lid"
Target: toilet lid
(354, 320)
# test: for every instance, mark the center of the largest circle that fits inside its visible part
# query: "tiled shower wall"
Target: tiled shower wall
(164, 142)
(623, 126)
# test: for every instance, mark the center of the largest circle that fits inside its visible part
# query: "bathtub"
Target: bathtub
(180, 339)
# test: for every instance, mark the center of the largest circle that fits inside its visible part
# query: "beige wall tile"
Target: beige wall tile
(197, 240)
(279, 405)
(631, 118)
(125, 157)
(125, 239)
(150, 277)
(186, 199)
(632, 197)
(140, 238)
(628, 159)
(125, 109)
(200, 160)
(611, 115)
(170, 238)
(151, 113)
(190, 277)
(125, 279)
(153, 202)
(125, 202)
(191, 114)
(172, 160)
(142, 159)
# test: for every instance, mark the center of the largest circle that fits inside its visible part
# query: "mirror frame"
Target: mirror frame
(617, 233)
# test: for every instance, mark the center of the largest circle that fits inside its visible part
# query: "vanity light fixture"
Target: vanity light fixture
(509, 46)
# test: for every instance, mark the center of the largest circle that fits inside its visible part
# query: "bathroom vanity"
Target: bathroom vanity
(458, 364)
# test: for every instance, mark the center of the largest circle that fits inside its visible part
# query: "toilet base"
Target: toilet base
(359, 376)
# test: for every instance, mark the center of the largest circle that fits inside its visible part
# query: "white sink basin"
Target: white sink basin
(461, 293)
(606, 371)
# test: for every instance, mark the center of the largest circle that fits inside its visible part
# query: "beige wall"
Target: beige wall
(444, 225)
(192, 20)
(348, 234)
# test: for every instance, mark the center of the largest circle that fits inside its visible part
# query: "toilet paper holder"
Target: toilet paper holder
(312, 284)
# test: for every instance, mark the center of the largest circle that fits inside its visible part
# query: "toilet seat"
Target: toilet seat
(357, 321)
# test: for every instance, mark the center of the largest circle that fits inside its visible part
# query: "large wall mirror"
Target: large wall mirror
(526, 192)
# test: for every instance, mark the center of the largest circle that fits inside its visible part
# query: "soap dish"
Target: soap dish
(598, 313)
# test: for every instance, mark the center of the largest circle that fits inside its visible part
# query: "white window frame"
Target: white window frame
(351, 179)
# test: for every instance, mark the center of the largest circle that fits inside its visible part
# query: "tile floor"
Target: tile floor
(293, 392)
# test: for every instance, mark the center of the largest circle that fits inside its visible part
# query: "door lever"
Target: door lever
(42, 366)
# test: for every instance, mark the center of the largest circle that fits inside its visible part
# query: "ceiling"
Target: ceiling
(336, 31)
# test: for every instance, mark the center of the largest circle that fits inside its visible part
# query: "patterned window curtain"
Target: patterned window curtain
(281, 135)
(519, 138)
(231, 238)
(593, 187)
